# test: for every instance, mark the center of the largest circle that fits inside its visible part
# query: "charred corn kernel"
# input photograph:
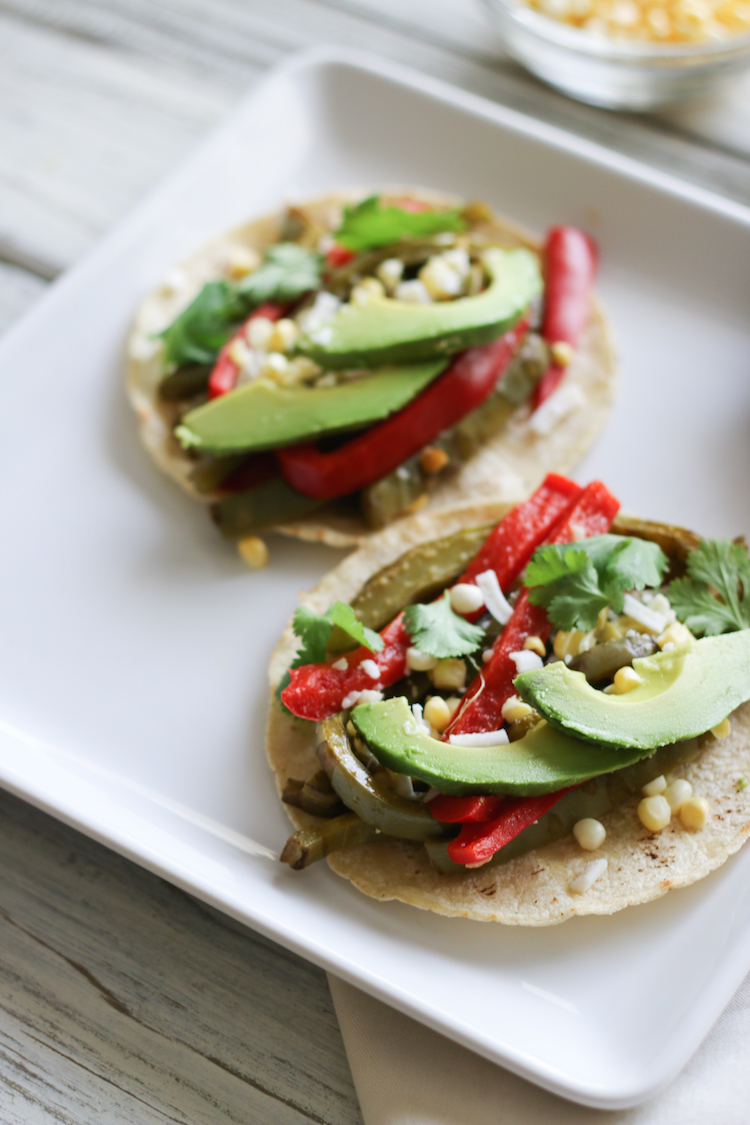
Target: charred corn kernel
(283, 336)
(723, 730)
(658, 785)
(562, 353)
(625, 680)
(589, 833)
(258, 332)
(437, 713)
(449, 673)
(694, 813)
(390, 272)
(654, 813)
(514, 709)
(677, 792)
(466, 597)
(677, 634)
(365, 290)
(432, 460)
(418, 661)
(254, 551)
(241, 261)
(567, 644)
(535, 644)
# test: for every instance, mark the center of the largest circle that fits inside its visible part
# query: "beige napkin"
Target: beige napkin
(406, 1074)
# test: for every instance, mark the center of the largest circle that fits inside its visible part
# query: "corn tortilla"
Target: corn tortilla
(532, 890)
(513, 463)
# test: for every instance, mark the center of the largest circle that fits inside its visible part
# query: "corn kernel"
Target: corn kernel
(258, 332)
(694, 813)
(677, 793)
(655, 787)
(514, 709)
(654, 813)
(437, 713)
(432, 460)
(677, 634)
(625, 680)
(254, 551)
(453, 702)
(283, 335)
(562, 353)
(241, 261)
(536, 644)
(364, 291)
(567, 644)
(589, 833)
(722, 730)
(390, 272)
(417, 661)
(440, 279)
(466, 598)
(449, 673)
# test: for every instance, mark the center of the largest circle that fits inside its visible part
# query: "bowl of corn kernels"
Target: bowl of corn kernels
(627, 54)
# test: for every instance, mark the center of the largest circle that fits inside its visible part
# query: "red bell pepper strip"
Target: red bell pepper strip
(316, 691)
(465, 810)
(225, 371)
(338, 256)
(478, 842)
(469, 380)
(569, 269)
(592, 514)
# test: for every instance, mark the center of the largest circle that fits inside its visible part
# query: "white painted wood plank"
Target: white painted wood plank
(19, 290)
(123, 1000)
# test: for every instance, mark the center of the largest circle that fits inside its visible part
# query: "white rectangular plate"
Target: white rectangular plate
(134, 643)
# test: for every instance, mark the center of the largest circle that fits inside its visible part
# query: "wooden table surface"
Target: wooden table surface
(122, 999)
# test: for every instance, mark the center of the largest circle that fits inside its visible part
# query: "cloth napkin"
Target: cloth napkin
(406, 1074)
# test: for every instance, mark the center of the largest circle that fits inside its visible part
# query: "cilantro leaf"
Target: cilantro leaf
(314, 630)
(198, 333)
(201, 329)
(715, 595)
(437, 630)
(575, 583)
(287, 272)
(368, 225)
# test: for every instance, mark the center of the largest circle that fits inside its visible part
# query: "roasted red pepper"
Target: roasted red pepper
(318, 690)
(338, 256)
(469, 380)
(223, 378)
(478, 842)
(569, 270)
(591, 514)
(465, 810)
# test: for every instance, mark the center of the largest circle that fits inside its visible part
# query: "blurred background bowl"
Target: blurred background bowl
(614, 73)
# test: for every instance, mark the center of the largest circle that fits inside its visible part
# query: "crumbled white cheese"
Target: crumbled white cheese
(485, 738)
(567, 398)
(422, 724)
(370, 668)
(415, 292)
(494, 598)
(526, 660)
(340, 665)
(643, 614)
(356, 697)
(585, 881)
(323, 309)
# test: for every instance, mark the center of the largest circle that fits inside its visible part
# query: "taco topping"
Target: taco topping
(370, 361)
(599, 654)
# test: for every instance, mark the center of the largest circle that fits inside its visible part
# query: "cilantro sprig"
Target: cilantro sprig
(201, 330)
(368, 226)
(315, 631)
(437, 630)
(575, 583)
(714, 597)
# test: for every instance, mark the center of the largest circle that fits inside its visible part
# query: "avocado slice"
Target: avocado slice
(262, 415)
(544, 761)
(684, 692)
(389, 331)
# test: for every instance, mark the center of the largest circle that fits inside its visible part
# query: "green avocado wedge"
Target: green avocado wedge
(386, 330)
(542, 762)
(684, 692)
(262, 415)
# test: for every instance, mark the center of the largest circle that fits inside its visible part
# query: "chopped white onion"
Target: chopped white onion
(494, 598)
(526, 660)
(485, 738)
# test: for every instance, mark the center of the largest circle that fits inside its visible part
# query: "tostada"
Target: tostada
(332, 367)
(520, 713)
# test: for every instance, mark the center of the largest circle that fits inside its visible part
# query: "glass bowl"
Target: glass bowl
(614, 73)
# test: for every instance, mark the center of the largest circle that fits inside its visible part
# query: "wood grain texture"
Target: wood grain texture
(124, 1000)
